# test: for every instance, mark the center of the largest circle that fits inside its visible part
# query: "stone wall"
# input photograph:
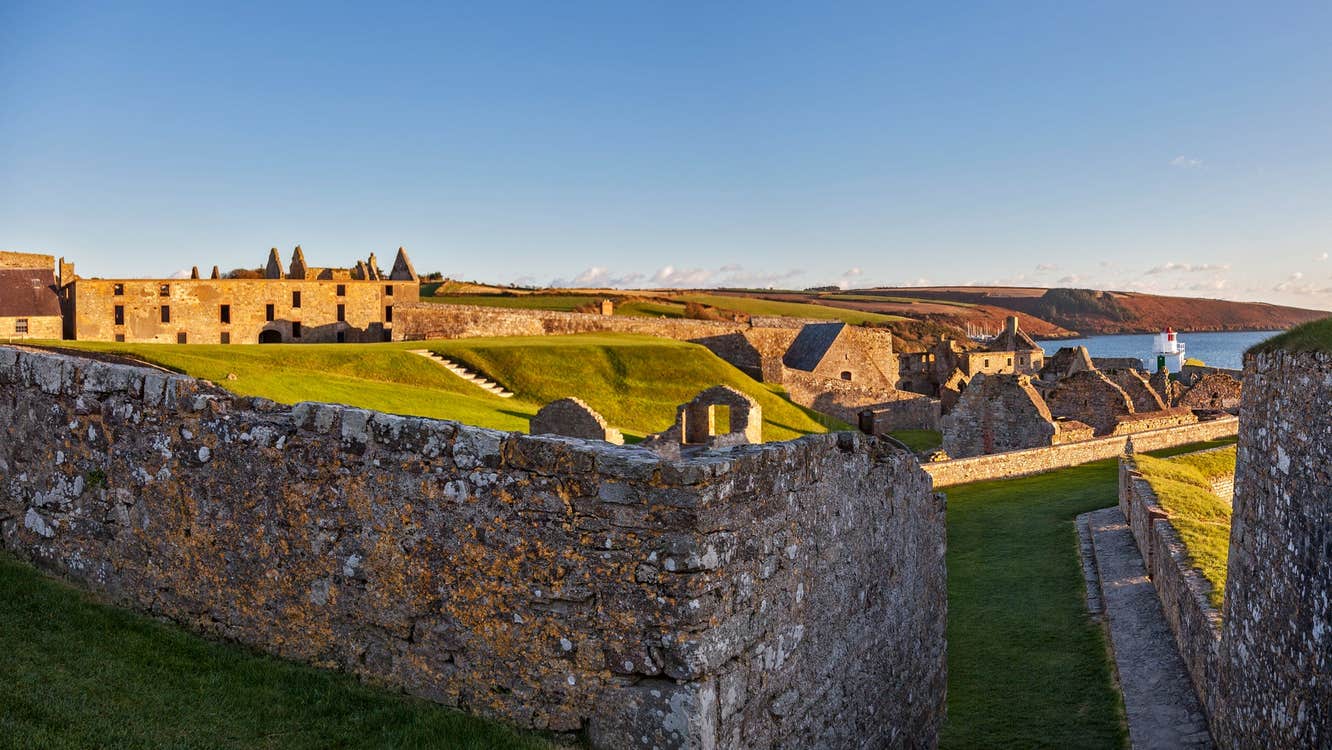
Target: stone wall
(997, 413)
(1153, 420)
(1089, 397)
(912, 412)
(786, 594)
(1037, 460)
(1138, 389)
(845, 400)
(39, 327)
(1276, 671)
(1218, 391)
(10, 259)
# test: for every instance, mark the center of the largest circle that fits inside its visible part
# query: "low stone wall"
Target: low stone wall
(918, 413)
(785, 594)
(1182, 589)
(1037, 460)
(1154, 420)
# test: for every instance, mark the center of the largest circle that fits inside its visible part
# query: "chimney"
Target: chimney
(274, 268)
(216, 273)
(194, 272)
(1011, 325)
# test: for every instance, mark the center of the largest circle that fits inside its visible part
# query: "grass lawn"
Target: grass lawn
(1201, 519)
(651, 309)
(920, 440)
(888, 298)
(1026, 665)
(634, 381)
(77, 674)
(755, 306)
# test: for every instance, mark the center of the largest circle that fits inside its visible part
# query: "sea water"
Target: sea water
(1218, 349)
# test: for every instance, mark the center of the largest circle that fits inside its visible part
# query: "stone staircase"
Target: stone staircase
(464, 373)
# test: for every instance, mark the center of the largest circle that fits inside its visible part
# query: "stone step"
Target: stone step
(464, 373)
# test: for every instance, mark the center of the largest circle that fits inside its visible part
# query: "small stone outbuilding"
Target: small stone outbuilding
(1089, 397)
(1215, 391)
(572, 417)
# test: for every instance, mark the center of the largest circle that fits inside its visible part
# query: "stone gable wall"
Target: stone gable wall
(997, 413)
(1138, 389)
(1037, 460)
(1214, 390)
(1089, 397)
(785, 594)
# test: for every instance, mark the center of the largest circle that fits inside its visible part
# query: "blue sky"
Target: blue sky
(1178, 147)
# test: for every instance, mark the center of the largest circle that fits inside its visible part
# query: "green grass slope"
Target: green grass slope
(77, 674)
(634, 381)
(558, 302)
(755, 306)
(1315, 336)
(1200, 517)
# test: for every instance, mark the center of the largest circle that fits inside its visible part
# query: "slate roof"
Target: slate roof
(28, 292)
(811, 344)
(1007, 342)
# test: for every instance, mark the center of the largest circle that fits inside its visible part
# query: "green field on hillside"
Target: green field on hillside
(1027, 667)
(851, 297)
(1201, 518)
(756, 306)
(78, 674)
(634, 381)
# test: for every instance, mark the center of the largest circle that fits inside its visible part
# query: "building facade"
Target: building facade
(303, 304)
(29, 297)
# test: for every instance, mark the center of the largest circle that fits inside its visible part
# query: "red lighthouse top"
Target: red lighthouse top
(1170, 333)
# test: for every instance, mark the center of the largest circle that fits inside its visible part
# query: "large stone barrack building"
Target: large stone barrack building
(301, 303)
(29, 297)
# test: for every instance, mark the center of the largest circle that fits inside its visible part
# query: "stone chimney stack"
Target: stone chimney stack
(216, 273)
(274, 268)
(1011, 325)
(194, 272)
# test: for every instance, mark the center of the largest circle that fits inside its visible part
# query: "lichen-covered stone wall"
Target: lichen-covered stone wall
(785, 594)
(997, 413)
(1276, 671)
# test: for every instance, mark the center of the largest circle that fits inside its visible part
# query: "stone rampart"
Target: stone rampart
(1276, 669)
(784, 594)
(1037, 460)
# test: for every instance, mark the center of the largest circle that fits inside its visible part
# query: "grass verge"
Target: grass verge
(1026, 665)
(1315, 336)
(78, 674)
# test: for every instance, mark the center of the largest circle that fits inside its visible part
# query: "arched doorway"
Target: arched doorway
(270, 336)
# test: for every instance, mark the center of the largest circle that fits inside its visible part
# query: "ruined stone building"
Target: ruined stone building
(837, 351)
(949, 362)
(29, 297)
(302, 303)
(998, 413)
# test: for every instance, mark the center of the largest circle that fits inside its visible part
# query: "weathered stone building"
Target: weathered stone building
(571, 417)
(780, 595)
(1216, 391)
(950, 362)
(302, 304)
(999, 413)
(29, 297)
(1089, 397)
(1136, 386)
(837, 351)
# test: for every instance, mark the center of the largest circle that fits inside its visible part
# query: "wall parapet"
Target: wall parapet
(734, 599)
(1037, 460)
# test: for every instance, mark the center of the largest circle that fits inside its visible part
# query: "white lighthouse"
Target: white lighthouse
(1168, 351)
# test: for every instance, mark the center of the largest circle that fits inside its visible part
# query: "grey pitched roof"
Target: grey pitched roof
(1007, 342)
(811, 344)
(28, 292)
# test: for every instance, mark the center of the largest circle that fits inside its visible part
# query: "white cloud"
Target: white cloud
(1072, 278)
(1295, 284)
(1173, 267)
(1322, 257)
(183, 273)
(1185, 162)
(1046, 267)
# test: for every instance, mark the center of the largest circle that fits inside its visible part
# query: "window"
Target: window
(226, 337)
(388, 290)
(164, 290)
(225, 313)
(987, 363)
(846, 374)
(120, 338)
(268, 312)
(295, 299)
(118, 290)
(388, 314)
(21, 325)
(295, 329)
(342, 290)
(120, 315)
(1010, 361)
(181, 338)
(342, 313)
(166, 313)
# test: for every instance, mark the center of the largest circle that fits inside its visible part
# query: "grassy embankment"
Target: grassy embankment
(635, 382)
(672, 306)
(1026, 665)
(1315, 336)
(78, 674)
(1183, 487)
